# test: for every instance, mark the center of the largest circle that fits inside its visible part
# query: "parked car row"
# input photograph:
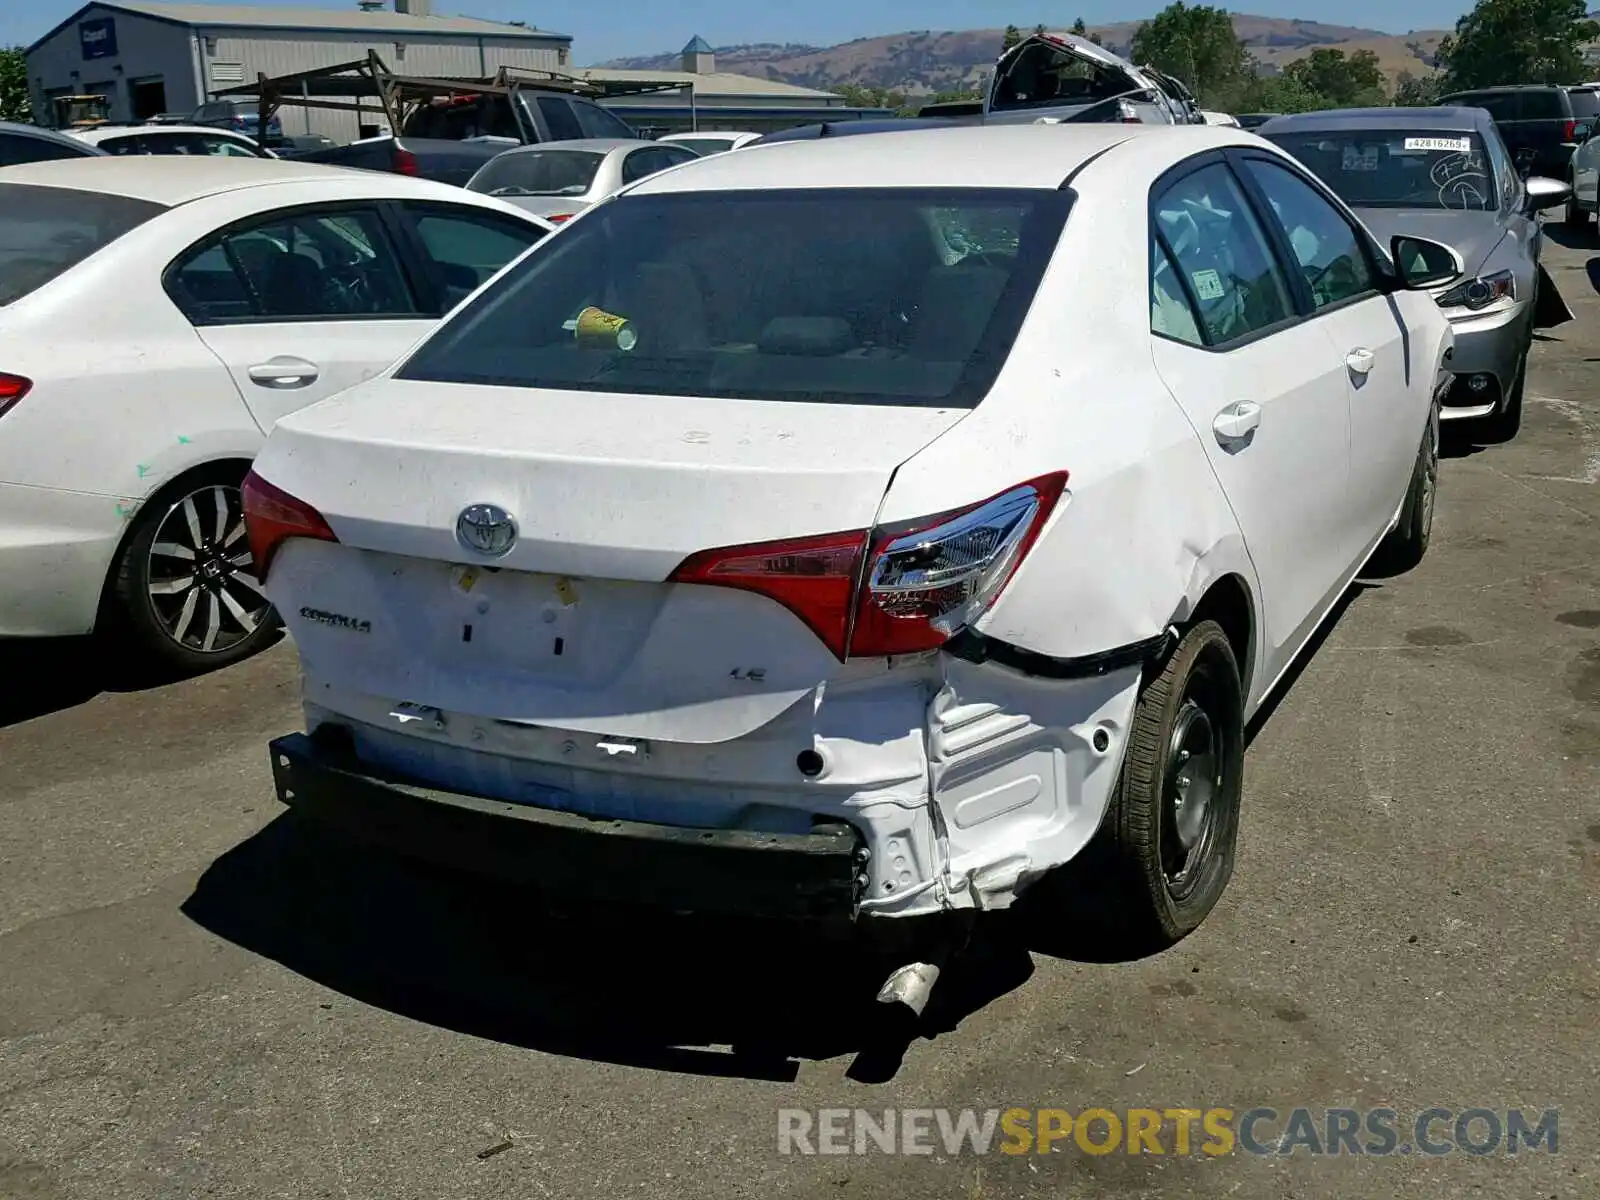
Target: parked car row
(749, 532)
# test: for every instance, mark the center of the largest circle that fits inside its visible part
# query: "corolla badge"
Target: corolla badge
(487, 528)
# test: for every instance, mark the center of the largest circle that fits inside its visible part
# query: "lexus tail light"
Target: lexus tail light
(12, 389)
(272, 516)
(896, 589)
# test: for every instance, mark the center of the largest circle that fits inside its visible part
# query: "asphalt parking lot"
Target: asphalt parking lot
(198, 998)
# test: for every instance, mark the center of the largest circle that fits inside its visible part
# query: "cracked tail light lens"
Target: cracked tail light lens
(903, 588)
(12, 389)
(272, 516)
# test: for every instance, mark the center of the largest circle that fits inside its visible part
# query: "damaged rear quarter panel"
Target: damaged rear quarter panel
(1144, 529)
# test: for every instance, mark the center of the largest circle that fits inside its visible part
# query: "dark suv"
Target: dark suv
(1542, 124)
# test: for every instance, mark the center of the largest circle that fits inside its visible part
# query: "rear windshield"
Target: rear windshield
(45, 231)
(1585, 103)
(703, 145)
(1398, 168)
(538, 173)
(853, 296)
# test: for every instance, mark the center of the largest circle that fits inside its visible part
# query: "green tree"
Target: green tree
(1344, 81)
(857, 96)
(14, 102)
(1518, 41)
(1079, 29)
(1416, 91)
(1280, 94)
(1010, 38)
(1197, 44)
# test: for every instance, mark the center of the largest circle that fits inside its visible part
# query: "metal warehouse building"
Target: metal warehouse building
(151, 58)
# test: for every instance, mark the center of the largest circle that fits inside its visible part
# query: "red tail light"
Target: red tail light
(405, 162)
(559, 218)
(272, 516)
(1569, 132)
(895, 589)
(12, 389)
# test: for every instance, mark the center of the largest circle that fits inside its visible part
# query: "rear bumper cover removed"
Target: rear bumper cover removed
(724, 872)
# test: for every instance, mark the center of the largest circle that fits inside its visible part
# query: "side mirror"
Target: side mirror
(1546, 193)
(1422, 264)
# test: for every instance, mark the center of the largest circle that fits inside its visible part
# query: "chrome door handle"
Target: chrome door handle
(1361, 362)
(1237, 421)
(284, 371)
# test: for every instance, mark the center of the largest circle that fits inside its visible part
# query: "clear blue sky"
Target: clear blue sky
(626, 27)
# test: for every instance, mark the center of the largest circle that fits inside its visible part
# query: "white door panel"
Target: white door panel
(282, 368)
(1369, 334)
(1274, 418)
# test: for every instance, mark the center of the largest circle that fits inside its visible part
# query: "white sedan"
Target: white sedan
(805, 532)
(172, 139)
(157, 315)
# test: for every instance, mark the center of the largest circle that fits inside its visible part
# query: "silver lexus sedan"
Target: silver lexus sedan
(558, 180)
(1445, 174)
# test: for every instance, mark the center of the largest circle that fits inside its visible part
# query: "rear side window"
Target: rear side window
(557, 114)
(1502, 106)
(45, 231)
(596, 122)
(1222, 253)
(16, 149)
(1541, 105)
(849, 296)
(1585, 104)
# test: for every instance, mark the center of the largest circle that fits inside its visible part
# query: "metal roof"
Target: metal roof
(711, 83)
(316, 20)
(697, 45)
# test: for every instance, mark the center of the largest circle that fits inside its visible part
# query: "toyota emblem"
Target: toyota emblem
(487, 529)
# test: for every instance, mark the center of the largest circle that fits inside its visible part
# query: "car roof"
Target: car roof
(1001, 156)
(174, 179)
(1514, 87)
(1443, 118)
(96, 136)
(44, 135)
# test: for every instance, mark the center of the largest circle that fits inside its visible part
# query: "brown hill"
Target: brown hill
(926, 61)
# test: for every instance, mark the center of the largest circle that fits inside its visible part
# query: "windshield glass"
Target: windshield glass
(538, 173)
(906, 297)
(45, 231)
(1411, 168)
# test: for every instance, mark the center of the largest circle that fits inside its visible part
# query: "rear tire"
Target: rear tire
(1575, 217)
(184, 594)
(1173, 822)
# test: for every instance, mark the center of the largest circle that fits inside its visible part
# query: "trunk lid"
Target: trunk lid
(575, 625)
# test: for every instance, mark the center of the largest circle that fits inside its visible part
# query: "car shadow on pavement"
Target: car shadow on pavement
(1572, 239)
(691, 995)
(49, 675)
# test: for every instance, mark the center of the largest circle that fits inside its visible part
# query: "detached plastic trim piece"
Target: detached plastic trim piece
(975, 648)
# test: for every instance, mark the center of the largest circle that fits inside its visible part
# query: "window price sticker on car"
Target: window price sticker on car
(1208, 285)
(1445, 144)
(1360, 158)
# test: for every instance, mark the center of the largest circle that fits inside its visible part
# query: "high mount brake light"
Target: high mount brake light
(272, 516)
(12, 389)
(896, 589)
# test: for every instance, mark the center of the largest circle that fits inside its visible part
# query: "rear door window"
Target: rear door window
(597, 122)
(1502, 106)
(1209, 230)
(329, 264)
(46, 231)
(1541, 104)
(468, 246)
(558, 116)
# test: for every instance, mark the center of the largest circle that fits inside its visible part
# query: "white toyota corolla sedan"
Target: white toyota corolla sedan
(157, 315)
(822, 531)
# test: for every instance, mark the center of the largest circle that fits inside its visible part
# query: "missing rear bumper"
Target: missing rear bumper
(713, 871)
